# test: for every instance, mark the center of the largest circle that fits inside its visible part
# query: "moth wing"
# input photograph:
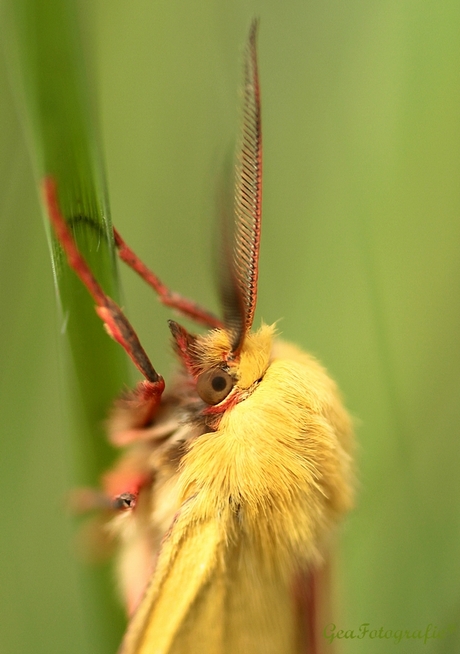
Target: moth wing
(314, 598)
(183, 606)
(211, 594)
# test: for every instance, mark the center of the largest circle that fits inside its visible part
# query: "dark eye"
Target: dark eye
(214, 385)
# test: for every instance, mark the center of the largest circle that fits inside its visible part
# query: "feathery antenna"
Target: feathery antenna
(239, 293)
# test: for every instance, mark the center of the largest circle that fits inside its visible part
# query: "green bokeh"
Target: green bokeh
(360, 259)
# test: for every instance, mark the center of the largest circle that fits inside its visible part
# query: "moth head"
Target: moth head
(221, 376)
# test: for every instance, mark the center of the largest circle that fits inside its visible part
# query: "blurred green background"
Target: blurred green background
(360, 259)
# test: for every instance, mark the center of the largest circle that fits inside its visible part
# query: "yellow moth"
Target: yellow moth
(233, 479)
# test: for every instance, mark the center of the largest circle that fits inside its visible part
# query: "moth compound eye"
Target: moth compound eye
(214, 385)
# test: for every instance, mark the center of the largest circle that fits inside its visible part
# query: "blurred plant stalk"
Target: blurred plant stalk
(52, 88)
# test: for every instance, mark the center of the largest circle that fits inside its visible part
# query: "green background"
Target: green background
(360, 259)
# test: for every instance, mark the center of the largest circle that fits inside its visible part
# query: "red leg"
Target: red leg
(166, 297)
(115, 322)
(84, 500)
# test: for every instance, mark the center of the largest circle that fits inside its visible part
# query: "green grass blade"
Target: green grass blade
(64, 146)
(49, 78)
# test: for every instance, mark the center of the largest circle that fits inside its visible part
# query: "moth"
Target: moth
(231, 480)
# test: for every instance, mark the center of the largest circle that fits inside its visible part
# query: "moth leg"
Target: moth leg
(116, 324)
(86, 500)
(167, 297)
(95, 539)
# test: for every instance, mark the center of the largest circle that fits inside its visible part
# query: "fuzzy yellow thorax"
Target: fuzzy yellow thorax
(279, 460)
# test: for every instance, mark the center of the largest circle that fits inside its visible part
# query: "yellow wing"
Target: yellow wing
(212, 595)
